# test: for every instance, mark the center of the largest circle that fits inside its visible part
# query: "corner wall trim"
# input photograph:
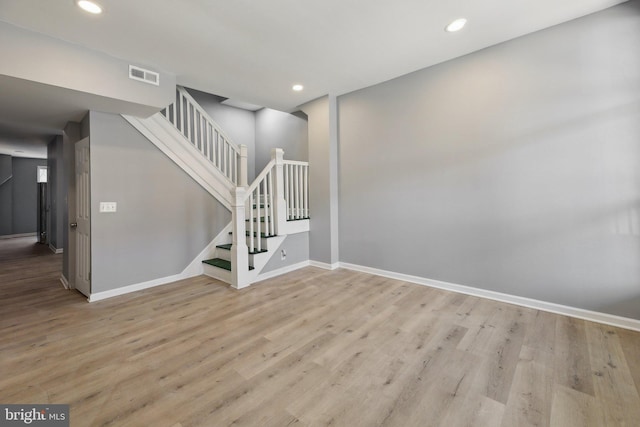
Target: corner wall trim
(325, 265)
(579, 313)
(64, 281)
(55, 250)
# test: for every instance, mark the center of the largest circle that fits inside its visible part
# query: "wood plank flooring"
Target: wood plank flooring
(310, 348)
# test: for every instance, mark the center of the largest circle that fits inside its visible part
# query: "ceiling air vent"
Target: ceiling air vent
(137, 73)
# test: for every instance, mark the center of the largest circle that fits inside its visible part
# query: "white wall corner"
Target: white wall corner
(55, 250)
(324, 265)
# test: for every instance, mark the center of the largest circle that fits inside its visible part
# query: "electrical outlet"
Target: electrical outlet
(108, 207)
(283, 254)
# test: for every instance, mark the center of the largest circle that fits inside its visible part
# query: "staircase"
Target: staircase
(264, 212)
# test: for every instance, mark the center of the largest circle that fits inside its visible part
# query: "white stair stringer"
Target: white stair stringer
(172, 143)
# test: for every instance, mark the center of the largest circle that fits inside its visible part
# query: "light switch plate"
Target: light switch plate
(108, 207)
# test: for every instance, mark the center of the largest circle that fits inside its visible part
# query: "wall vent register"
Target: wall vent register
(147, 76)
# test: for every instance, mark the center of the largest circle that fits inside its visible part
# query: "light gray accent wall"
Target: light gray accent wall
(296, 247)
(24, 200)
(164, 219)
(515, 169)
(238, 124)
(77, 68)
(56, 192)
(6, 194)
(323, 179)
(276, 129)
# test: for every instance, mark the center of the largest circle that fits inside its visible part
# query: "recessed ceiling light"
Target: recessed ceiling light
(297, 88)
(456, 25)
(90, 6)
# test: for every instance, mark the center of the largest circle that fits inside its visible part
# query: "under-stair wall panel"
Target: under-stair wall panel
(164, 218)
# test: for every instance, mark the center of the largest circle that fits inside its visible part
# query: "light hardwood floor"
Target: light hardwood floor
(311, 348)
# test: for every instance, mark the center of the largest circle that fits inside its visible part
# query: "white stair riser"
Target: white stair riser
(223, 254)
(217, 273)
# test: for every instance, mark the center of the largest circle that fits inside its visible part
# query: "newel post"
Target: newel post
(239, 251)
(280, 205)
(243, 170)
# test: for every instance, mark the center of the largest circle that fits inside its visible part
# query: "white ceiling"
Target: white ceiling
(254, 51)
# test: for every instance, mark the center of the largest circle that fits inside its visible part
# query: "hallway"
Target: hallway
(29, 275)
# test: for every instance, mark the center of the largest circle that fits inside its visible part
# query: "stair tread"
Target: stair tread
(228, 248)
(220, 263)
(299, 219)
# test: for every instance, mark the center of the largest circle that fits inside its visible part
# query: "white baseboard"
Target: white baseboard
(136, 287)
(64, 281)
(55, 250)
(281, 271)
(593, 316)
(324, 265)
(15, 236)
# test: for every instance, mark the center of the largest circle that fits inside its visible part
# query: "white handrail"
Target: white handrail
(193, 122)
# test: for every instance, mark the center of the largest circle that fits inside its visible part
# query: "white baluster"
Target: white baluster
(258, 204)
(285, 172)
(272, 231)
(306, 191)
(189, 122)
(243, 180)
(297, 185)
(251, 213)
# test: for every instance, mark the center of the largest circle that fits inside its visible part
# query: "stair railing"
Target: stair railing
(260, 208)
(296, 189)
(280, 193)
(190, 119)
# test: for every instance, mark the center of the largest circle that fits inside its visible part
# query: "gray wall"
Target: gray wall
(238, 124)
(6, 193)
(514, 169)
(19, 196)
(56, 192)
(276, 129)
(25, 194)
(323, 179)
(164, 218)
(80, 69)
(296, 247)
